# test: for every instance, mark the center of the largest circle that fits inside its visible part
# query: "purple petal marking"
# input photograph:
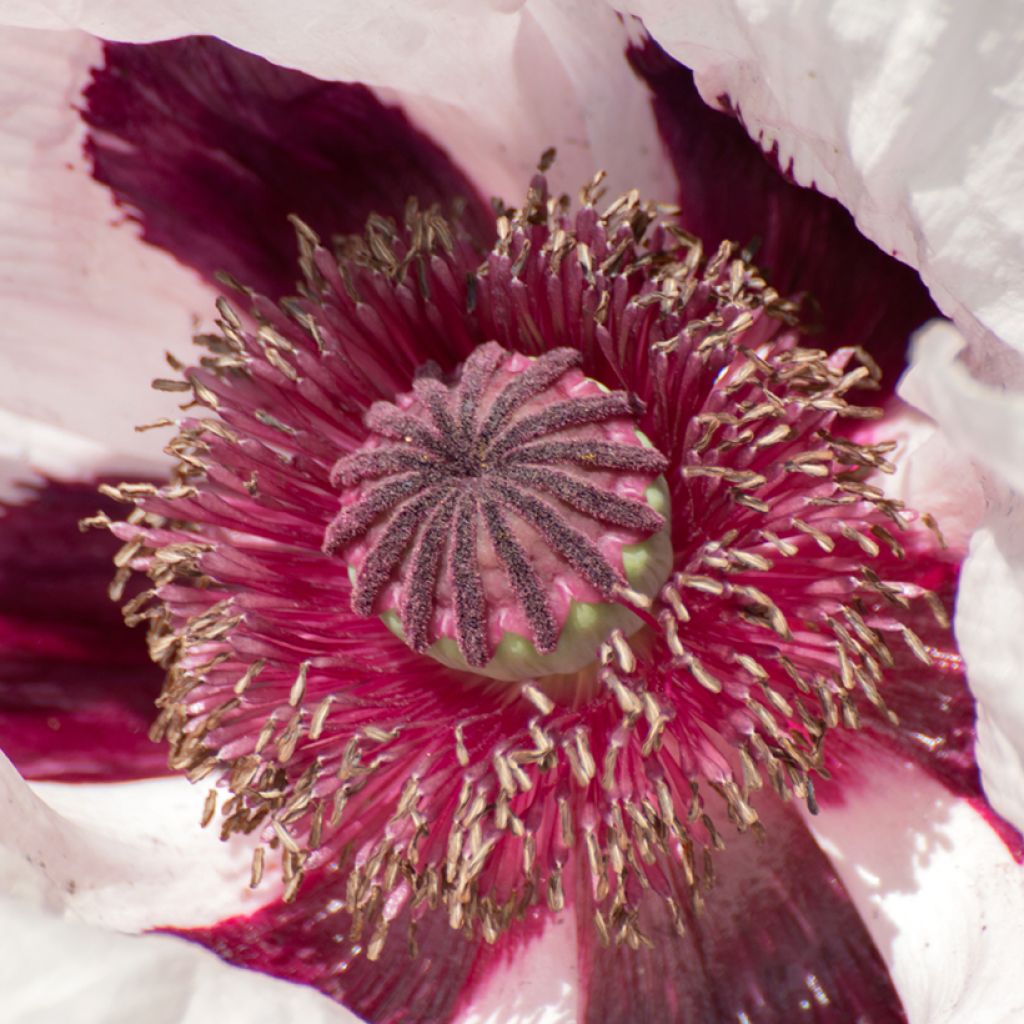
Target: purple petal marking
(779, 941)
(522, 579)
(77, 687)
(809, 243)
(592, 455)
(300, 942)
(591, 501)
(211, 148)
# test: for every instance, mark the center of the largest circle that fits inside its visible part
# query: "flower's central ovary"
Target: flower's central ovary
(500, 521)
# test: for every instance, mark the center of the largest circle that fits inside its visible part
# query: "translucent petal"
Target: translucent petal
(88, 310)
(986, 421)
(939, 892)
(123, 855)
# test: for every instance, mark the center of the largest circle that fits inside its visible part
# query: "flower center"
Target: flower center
(504, 521)
(510, 519)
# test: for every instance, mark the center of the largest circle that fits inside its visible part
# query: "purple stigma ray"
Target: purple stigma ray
(470, 603)
(565, 539)
(426, 566)
(543, 373)
(593, 454)
(459, 458)
(355, 520)
(389, 421)
(596, 504)
(576, 412)
(477, 371)
(377, 463)
(522, 579)
(388, 551)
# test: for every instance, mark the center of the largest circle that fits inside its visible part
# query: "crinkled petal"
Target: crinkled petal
(986, 420)
(80, 866)
(497, 82)
(859, 100)
(911, 114)
(925, 460)
(938, 891)
(88, 309)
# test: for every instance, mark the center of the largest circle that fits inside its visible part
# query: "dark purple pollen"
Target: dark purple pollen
(470, 603)
(426, 564)
(532, 381)
(597, 504)
(371, 465)
(354, 521)
(522, 579)
(565, 539)
(476, 372)
(389, 549)
(389, 421)
(575, 412)
(466, 442)
(435, 396)
(596, 454)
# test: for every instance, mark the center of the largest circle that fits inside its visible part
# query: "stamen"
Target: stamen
(485, 513)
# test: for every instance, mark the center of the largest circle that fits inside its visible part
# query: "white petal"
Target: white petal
(984, 419)
(925, 461)
(986, 422)
(910, 112)
(939, 893)
(88, 309)
(495, 81)
(539, 986)
(56, 970)
(80, 865)
(30, 450)
(124, 855)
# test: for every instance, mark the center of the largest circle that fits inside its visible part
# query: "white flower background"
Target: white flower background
(910, 112)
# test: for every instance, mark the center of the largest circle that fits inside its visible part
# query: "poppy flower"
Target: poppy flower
(522, 567)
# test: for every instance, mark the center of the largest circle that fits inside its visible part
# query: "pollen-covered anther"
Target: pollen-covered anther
(502, 506)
